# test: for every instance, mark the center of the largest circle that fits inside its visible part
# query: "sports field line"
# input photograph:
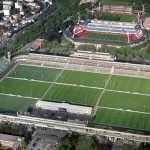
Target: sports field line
(42, 66)
(127, 110)
(28, 79)
(76, 85)
(18, 96)
(52, 84)
(99, 88)
(127, 92)
(102, 93)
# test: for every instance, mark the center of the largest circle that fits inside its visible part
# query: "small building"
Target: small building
(7, 7)
(64, 107)
(49, 1)
(147, 23)
(87, 1)
(38, 43)
(10, 141)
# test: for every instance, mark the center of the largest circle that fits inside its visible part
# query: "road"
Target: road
(40, 17)
(67, 126)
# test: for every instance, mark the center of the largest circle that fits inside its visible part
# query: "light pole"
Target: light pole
(31, 93)
(3, 90)
(42, 76)
(128, 37)
(99, 6)
(50, 96)
(85, 100)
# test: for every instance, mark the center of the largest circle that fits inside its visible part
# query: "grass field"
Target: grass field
(115, 2)
(130, 84)
(123, 118)
(78, 95)
(106, 36)
(36, 73)
(117, 17)
(23, 87)
(116, 107)
(15, 103)
(83, 78)
(126, 18)
(126, 101)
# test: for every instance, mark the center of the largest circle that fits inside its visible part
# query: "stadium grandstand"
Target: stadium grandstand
(117, 9)
(128, 30)
(4, 63)
(93, 55)
(64, 107)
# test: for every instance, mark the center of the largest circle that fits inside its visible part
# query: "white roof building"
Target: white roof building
(71, 108)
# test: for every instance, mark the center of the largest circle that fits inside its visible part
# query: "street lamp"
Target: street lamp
(3, 90)
(50, 96)
(31, 93)
(42, 76)
(85, 100)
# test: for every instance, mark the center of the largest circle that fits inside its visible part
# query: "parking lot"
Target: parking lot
(45, 139)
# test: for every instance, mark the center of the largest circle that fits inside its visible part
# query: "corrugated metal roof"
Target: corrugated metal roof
(57, 105)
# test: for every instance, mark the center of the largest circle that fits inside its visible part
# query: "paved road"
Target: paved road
(67, 126)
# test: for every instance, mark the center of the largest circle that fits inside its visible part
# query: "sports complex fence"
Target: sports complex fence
(119, 128)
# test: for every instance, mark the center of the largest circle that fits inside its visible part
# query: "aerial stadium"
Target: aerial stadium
(67, 88)
(108, 30)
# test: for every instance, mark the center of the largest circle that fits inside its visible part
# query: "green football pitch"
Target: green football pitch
(34, 72)
(121, 83)
(23, 87)
(125, 101)
(83, 78)
(123, 118)
(106, 37)
(15, 103)
(73, 94)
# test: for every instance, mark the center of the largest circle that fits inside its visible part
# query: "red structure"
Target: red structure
(38, 43)
(80, 31)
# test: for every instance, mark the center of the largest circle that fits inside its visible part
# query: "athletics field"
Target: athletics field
(121, 101)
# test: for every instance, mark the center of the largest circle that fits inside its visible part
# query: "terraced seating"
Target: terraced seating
(4, 63)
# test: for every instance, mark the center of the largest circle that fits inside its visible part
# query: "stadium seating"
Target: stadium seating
(109, 28)
(4, 63)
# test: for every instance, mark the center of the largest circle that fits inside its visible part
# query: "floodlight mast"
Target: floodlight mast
(99, 6)
(128, 37)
